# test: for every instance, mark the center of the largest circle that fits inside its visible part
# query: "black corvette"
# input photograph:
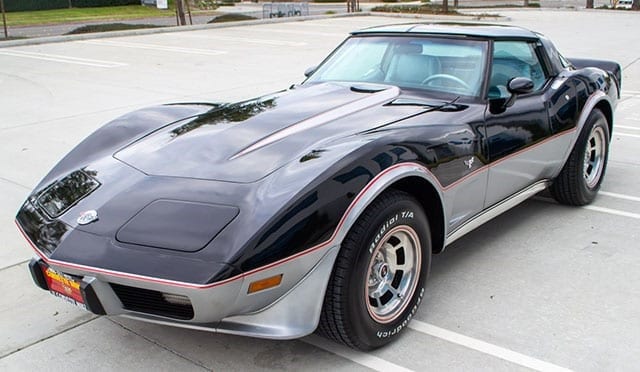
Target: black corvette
(319, 207)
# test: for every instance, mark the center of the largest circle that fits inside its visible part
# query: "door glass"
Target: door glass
(514, 59)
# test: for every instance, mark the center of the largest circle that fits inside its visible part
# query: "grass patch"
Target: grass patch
(43, 17)
(231, 17)
(415, 9)
(108, 27)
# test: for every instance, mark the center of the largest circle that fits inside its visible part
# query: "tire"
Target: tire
(579, 181)
(387, 250)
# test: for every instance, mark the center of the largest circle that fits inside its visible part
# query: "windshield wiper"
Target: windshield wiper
(431, 104)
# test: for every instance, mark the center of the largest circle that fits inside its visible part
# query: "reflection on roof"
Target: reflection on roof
(458, 29)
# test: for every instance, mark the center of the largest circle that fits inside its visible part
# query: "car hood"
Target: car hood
(243, 142)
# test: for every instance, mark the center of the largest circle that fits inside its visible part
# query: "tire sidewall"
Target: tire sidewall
(595, 119)
(367, 330)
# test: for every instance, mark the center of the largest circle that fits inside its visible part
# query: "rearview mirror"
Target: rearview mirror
(310, 71)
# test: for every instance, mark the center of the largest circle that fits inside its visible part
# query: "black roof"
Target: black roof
(457, 29)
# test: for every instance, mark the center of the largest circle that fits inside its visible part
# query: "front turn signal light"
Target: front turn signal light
(262, 284)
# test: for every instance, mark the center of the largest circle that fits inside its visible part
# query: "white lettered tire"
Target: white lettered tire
(379, 277)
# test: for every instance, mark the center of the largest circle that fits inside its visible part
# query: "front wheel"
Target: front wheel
(379, 276)
(580, 179)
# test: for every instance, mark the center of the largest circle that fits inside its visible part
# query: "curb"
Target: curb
(158, 30)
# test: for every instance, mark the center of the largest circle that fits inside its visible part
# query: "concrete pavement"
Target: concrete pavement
(541, 287)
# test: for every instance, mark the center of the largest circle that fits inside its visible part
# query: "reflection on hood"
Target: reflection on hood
(233, 113)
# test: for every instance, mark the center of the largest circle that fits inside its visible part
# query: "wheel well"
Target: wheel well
(608, 113)
(428, 197)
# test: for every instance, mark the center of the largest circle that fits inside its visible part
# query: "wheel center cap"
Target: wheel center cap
(383, 271)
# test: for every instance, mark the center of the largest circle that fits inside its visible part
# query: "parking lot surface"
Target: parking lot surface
(542, 287)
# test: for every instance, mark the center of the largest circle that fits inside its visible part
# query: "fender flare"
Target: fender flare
(377, 186)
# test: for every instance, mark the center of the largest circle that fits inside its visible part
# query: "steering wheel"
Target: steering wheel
(455, 79)
(374, 73)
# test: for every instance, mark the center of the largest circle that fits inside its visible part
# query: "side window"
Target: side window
(514, 59)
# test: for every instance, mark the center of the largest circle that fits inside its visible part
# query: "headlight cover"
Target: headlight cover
(177, 225)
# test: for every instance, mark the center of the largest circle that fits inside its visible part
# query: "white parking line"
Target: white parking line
(361, 358)
(619, 196)
(615, 212)
(243, 39)
(627, 135)
(612, 211)
(626, 127)
(162, 48)
(484, 347)
(61, 59)
(299, 32)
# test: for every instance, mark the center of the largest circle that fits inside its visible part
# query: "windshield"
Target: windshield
(428, 63)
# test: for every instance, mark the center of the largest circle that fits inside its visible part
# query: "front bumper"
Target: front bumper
(290, 310)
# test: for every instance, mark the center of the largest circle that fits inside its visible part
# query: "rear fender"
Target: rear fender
(611, 67)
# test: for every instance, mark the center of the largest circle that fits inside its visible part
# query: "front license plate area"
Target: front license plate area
(65, 287)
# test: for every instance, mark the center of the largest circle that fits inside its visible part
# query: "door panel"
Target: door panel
(512, 132)
(510, 136)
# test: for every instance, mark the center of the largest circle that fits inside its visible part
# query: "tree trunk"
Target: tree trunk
(589, 4)
(445, 6)
(455, 4)
(4, 19)
(635, 5)
(352, 6)
(180, 13)
(526, 3)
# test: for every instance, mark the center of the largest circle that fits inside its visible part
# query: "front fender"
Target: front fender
(323, 200)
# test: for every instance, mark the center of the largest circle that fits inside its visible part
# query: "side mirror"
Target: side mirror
(515, 87)
(520, 85)
(310, 71)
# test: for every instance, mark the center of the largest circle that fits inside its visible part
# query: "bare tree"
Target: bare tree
(526, 3)
(445, 6)
(352, 6)
(180, 13)
(4, 19)
(589, 4)
(455, 4)
(635, 5)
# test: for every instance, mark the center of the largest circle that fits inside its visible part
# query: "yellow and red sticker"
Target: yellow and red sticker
(61, 284)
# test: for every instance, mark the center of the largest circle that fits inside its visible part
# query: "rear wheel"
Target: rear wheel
(580, 179)
(378, 279)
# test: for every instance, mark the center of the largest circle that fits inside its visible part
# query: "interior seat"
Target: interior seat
(409, 66)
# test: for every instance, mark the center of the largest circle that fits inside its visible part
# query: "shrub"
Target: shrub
(108, 27)
(231, 17)
(413, 9)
